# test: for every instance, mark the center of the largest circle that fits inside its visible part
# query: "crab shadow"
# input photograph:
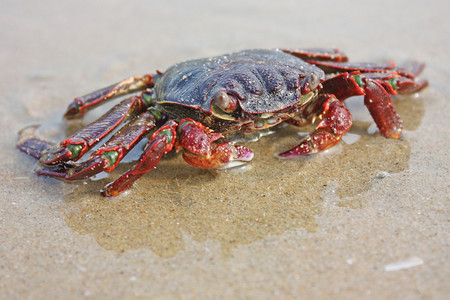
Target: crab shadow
(176, 202)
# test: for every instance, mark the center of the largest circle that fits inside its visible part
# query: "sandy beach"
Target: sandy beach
(368, 219)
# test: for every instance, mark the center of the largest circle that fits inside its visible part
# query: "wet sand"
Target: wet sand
(367, 219)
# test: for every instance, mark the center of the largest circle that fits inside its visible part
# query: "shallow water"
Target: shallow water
(239, 206)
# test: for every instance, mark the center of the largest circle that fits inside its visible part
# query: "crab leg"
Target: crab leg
(161, 142)
(31, 145)
(410, 69)
(107, 157)
(336, 121)
(81, 105)
(337, 67)
(394, 83)
(318, 54)
(192, 136)
(75, 146)
(334, 61)
(346, 85)
(379, 104)
(376, 88)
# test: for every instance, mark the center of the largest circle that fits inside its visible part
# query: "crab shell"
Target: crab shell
(262, 81)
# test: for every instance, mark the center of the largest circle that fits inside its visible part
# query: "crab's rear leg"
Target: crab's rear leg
(32, 145)
(76, 145)
(380, 106)
(318, 54)
(81, 105)
(160, 142)
(375, 87)
(336, 121)
(107, 157)
(394, 83)
(410, 69)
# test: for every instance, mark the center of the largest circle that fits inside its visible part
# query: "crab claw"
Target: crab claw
(200, 149)
(195, 137)
(224, 155)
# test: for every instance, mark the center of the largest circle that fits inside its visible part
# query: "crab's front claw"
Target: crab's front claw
(200, 149)
(224, 155)
(195, 137)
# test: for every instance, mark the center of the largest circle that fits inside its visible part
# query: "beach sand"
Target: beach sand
(368, 219)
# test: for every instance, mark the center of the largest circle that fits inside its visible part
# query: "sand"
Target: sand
(368, 219)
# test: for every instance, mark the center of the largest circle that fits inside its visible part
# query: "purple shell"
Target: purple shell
(262, 80)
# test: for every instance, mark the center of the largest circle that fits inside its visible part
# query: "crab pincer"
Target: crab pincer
(201, 150)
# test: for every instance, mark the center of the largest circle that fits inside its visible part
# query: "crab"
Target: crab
(196, 107)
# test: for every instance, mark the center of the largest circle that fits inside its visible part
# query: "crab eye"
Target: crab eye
(225, 102)
(313, 81)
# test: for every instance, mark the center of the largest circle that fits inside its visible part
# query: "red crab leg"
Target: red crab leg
(161, 142)
(107, 157)
(379, 104)
(336, 67)
(347, 85)
(197, 141)
(376, 88)
(336, 121)
(394, 83)
(31, 145)
(343, 86)
(318, 54)
(75, 146)
(376, 98)
(81, 105)
(410, 69)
